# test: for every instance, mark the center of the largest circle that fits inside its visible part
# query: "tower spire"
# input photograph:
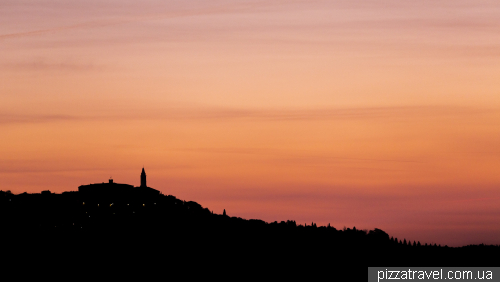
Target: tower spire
(143, 178)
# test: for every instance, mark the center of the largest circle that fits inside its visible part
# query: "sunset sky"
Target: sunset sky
(373, 114)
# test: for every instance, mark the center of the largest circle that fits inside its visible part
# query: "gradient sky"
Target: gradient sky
(356, 113)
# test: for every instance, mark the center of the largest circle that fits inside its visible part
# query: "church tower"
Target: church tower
(143, 178)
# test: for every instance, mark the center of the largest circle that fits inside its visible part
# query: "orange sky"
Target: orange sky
(356, 113)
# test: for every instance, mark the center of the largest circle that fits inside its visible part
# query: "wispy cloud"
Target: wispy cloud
(44, 65)
(225, 114)
(92, 24)
(217, 7)
(297, 157)
(320, 113)
(12, 119)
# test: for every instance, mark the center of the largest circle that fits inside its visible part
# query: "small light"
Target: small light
(143, 205)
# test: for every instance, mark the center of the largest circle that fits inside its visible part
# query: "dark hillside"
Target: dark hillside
(138, 231)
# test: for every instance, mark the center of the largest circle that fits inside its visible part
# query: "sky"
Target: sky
(373, 114)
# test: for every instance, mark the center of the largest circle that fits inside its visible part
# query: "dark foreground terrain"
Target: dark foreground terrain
(149, 236)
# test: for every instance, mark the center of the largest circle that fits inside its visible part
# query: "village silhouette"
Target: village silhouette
(109, 225)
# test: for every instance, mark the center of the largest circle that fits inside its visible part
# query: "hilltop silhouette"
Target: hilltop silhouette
(119, 225)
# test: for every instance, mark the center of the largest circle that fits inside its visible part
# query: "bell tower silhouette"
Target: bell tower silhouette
(143, 178)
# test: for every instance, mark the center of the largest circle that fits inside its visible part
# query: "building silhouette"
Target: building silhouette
(111, 188)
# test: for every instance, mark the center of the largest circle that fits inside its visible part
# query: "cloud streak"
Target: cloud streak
(92, 24)
(265, 115)
(296, 158)
(220, 7)
(42, 65)
(15, 119)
